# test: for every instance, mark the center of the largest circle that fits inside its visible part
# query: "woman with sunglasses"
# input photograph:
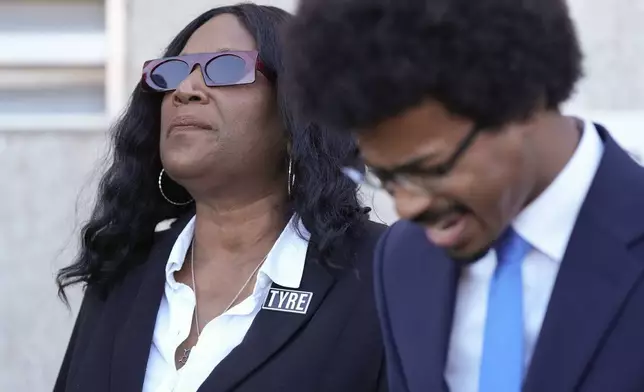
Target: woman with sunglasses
(263, 282)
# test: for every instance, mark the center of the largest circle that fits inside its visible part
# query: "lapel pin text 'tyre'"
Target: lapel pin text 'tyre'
(291, 301)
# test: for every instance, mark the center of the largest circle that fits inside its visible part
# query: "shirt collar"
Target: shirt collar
(178, 253)
(548, 221)
(284, 263)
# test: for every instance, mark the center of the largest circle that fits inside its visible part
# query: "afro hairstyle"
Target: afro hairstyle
(354, 63)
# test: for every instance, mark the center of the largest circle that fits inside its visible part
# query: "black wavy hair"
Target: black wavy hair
(120, 232)
(354, 63)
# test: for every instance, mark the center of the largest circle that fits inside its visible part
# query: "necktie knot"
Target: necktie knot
(511, 248)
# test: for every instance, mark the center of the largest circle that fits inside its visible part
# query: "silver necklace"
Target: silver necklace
(186, 351)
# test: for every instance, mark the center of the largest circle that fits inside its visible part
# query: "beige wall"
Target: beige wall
(43, 173)
(613, 40)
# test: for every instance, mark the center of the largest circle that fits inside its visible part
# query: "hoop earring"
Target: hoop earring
(166, 197)
(291, 177)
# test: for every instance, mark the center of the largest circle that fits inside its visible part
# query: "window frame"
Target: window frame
(45, 59)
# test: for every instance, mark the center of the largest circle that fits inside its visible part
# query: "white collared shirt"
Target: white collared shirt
(546, 224)
(284, 266)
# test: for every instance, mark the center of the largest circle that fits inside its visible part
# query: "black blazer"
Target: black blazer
(335, 347)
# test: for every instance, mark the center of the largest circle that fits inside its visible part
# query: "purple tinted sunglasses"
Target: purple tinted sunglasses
(228, 68)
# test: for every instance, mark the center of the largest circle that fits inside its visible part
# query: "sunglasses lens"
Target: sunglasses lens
(170, 74)
(226, 70)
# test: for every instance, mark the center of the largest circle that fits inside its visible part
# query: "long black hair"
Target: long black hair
(120, 232)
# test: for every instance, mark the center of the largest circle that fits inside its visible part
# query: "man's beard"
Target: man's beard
(466, 260)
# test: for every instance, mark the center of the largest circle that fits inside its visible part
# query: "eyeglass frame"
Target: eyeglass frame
(400, 175)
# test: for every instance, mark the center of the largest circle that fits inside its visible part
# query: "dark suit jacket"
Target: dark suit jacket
(592, 338)
(335, 347)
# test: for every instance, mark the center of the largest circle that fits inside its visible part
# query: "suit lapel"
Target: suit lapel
(270, 331)
(595, 278)
(428, 277)
(134, 339)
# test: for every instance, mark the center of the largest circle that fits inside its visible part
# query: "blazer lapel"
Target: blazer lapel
(270, 331)
(595, 278)
(427, 277)
(134, 339)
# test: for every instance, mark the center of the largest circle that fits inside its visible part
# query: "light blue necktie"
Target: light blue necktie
(502, 360)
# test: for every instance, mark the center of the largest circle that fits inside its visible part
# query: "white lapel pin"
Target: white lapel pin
(284, 300)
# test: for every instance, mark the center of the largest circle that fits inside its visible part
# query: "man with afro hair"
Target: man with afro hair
(518, 261)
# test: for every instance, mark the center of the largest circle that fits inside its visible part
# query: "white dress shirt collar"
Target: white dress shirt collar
(548, 221)
(290, 247)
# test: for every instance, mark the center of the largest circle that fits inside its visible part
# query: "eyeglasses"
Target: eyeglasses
(411, 177)
(228, 68)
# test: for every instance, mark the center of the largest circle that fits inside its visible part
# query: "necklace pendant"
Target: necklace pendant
(184, 357)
